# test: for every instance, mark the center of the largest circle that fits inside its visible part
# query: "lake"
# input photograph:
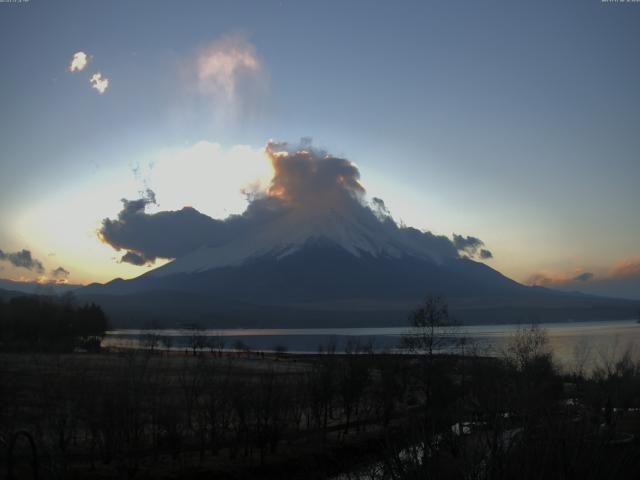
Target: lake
(591, 343)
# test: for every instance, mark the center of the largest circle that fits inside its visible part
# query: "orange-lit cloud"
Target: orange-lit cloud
(24, 259)
(231, 73)
(626, 268)
(312, 178)
(99, 83)
(553, 279)
(78, 62)
(622, 280)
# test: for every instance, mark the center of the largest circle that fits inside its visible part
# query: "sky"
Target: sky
(516, 123)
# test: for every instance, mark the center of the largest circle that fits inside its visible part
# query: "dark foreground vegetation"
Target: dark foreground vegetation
(348, 415)
(50, 324)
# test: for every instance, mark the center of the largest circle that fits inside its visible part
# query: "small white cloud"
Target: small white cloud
(99, 82)
(78, 62)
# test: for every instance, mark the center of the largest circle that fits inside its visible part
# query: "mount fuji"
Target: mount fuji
(311, 251)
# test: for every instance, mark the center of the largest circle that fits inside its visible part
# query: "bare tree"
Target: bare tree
(280, 350)
(526, 345)
(429, 326)
(197, 340)
(430, 330)
(581, 357)
(215, 343)
(150, 341)
(167, 342)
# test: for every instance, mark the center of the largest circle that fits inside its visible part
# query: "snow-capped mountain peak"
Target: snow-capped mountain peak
(294, 230)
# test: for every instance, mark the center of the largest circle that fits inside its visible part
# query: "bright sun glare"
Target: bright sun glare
(206, 176)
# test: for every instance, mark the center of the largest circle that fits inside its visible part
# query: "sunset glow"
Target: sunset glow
(538, 165)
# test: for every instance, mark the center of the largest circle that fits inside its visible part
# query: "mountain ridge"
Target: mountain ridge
(323, 282)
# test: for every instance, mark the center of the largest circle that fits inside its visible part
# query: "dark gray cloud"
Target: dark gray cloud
(135, 259)
(60, 273)
(485, 254)
(307, 184)
(166, 234)
(471, 246)
(22, 259)
(171, 234)
(584, 277)
(467, 244)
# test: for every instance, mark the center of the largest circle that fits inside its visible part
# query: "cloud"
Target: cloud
(308, 178)
(467, 244)
(311, 191)
(624, 269)
(60, 273)
(380, 208)
(584, 277)
(620, 280)
(485, 254)
(560, 279)
(471, 246)
(167, 234)
(547, 279)
(78, 62)
(99, 83)
(135, 259)
(231, 73)
(22, 259)
(627, 268)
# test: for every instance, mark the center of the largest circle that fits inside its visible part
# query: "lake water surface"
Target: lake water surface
(593, 342)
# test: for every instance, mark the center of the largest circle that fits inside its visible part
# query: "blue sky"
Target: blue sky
(516, 122)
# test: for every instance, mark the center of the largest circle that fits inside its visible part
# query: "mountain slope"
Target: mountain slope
(292, 230)
(311, 248)
(321, 283)
(321, 270)
(38, 288)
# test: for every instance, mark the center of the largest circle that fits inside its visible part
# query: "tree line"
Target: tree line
(50, 324)
(442, 410)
